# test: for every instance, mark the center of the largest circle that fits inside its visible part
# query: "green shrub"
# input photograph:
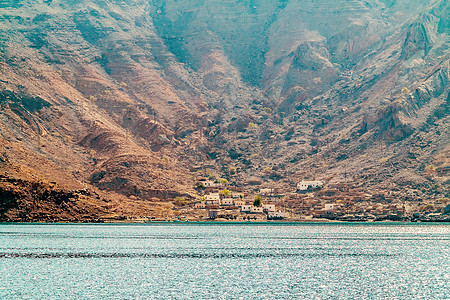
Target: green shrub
(257, 202)
(226, 192)
(180, 201)
(232, 170)
(430, 169)
(252, 126)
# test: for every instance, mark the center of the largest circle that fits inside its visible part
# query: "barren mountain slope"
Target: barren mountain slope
(128, 97)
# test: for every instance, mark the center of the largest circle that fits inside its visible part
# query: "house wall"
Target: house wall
(256, 209)
(227, 201)
(304, 185)
(200, 205)
(239, 203)
(246, 208)
(214, 196)
(269, 207)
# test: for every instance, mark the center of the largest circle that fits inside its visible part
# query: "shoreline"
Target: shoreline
(211, 222)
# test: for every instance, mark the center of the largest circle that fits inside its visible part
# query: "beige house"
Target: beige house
(239, 203)
(200, 204)
(212, 196)
(212, 199)
(227, 202)
(237, 195)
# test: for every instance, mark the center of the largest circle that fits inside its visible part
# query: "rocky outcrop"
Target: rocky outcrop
(24, 201)
(140, 176)
(311, 71)
(421, 36)
(388, 122)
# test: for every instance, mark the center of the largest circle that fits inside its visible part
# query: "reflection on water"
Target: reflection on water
(303, 261)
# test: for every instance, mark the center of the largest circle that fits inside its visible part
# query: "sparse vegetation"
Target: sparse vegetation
(267, 170)
(210, 175)
(258, 201)
(444, 200)
(428, 208)
(267, 110)
(430, 169)
(252, 126)
(383, 160)
(232, 170)
(226, 193)
(180, 201)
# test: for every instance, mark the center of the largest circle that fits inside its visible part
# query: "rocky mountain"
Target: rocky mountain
(109, 104)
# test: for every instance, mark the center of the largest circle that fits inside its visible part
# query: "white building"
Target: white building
(276, 215)
(305, 185)
(269, 207)
(330, 207)
(256, 209)
(246, 208)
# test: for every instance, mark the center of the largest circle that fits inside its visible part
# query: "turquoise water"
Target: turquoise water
(179, 261)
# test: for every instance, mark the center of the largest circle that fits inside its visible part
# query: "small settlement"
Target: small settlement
(231, 203)
(309, 200)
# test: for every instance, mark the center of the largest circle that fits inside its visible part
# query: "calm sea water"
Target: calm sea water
(178, 261)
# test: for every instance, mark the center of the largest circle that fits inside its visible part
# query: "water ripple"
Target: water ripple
(188, 255)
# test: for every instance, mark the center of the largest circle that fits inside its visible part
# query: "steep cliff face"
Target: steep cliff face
(107, 103)
(128, 96)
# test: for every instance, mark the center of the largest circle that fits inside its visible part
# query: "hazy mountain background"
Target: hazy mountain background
(105, 105)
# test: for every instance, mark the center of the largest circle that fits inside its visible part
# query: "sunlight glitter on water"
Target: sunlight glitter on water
(303, 261)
